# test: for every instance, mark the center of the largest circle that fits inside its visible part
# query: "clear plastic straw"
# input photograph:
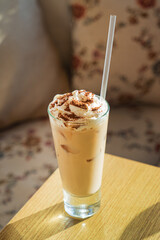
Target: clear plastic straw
(107, 61)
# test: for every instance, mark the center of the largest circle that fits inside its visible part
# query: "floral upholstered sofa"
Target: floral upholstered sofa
(68, 38)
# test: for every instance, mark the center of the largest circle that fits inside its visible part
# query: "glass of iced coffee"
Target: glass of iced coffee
(79, 126)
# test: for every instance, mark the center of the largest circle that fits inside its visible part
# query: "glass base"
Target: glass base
(81, 207)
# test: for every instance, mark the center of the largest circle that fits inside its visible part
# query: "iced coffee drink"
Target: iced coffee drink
(79, 125)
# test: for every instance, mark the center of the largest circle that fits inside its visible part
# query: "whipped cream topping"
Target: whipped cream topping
(78, 105)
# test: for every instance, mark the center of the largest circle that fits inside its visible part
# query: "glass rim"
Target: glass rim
(107, 111)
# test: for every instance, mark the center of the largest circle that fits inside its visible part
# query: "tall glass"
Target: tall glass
(80, 148)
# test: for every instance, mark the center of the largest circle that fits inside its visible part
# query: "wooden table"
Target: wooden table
(130, 208)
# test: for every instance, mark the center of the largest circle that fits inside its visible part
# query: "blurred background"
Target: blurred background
(49, 47)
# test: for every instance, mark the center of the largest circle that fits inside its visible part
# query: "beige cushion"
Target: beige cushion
(30, 70)
(135, 65)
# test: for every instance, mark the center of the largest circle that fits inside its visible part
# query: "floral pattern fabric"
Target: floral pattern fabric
(27, 158)
(135, 64)
(27, 155)
(134, 133)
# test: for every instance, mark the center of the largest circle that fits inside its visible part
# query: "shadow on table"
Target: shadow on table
(40, 225)
(144, 225)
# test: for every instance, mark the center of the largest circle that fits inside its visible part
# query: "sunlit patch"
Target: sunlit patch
(58, 218)
(83, 224)
(53, 219)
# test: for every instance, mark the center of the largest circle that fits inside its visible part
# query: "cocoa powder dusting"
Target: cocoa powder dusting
(66, 95)
(61, 103)
(95, 108)
(52, 104)
(67, 117)
(64, 98)
(60, 97)
(69, 94)
(80, 91)
(73, 116)
(67, 108)
(60, 115)
(88, 93)
(88, 101)
(79, 104)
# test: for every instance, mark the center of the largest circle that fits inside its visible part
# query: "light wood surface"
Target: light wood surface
(130, 208)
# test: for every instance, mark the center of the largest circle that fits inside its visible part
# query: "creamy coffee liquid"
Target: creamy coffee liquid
(79, 124)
